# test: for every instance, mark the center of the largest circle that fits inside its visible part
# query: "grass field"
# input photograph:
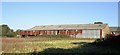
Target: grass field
(26, 45)
(53, 45)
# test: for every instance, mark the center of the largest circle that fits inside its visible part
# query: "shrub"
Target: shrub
(111, 40)
(10, 34)
(53, 36)
(6, 31)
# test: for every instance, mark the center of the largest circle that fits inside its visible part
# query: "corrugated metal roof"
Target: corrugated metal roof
(114, 28)
(69, 26)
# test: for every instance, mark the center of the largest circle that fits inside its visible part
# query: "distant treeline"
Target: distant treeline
(5, 31)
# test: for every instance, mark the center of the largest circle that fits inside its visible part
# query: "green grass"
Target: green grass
(60, 46)
(39, 46)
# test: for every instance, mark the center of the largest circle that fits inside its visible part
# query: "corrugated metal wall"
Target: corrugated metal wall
(91, 34)
(79, 35)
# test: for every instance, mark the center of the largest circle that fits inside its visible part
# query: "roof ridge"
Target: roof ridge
(71, 24)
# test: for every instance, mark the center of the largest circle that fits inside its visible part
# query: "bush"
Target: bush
(6, 31)
(53, 36)
(10, 34)
(111, 40)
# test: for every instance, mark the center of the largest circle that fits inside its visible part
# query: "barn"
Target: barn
(73, 30)
(115, 30)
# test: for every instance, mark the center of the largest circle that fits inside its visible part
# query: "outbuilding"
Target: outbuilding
(115, 30)
(73, 30)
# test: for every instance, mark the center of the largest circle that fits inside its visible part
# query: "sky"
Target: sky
(25, 15)
(60, 0)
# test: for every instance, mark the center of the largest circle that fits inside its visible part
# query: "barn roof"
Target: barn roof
(114, 28)
(69, 26)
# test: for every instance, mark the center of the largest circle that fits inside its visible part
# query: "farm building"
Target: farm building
(115, 30)
(73, 30)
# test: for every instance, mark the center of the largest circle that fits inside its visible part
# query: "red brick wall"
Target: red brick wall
(50, 32)
(79, 31)
(101, 34)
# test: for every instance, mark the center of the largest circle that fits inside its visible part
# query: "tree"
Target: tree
(98, 22)
(17, 31)
(5, 31)
(10, 33)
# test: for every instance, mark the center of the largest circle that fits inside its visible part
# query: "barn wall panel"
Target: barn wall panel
(78, 33)
(91, 34)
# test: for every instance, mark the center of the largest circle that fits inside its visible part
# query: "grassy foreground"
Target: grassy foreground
(39, 46)
(57, 46)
